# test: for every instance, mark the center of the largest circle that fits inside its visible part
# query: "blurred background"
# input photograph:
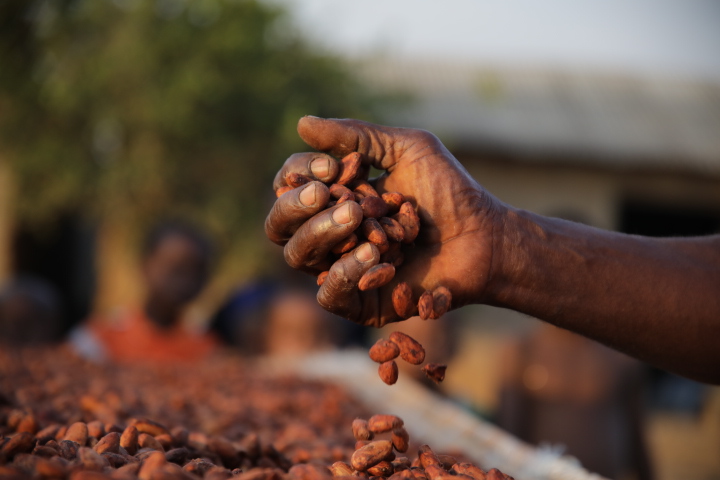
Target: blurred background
(118, 115)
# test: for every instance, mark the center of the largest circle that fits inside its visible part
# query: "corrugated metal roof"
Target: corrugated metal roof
(601, 119)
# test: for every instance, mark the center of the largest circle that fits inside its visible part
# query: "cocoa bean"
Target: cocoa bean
(349, 168)
(91, 460)
(341, 469)
(392, 228)
(109, 443)
(410, 349)
(78, 433)
(435, 371)
(96, 429)
(373, 207)
(283, 190)
(394, 255)
(370, 455)
(294, 179)
(154, 462)
(469, 469)
(402, 300)
(377, 276)
(346, 197)
(360, 430)
(372, 230)
(409, 220)
(19, 443)
(321, 277)
(150, 427)
(442, 299)
(129, 439)
(366, 190)
(382, 469)
(400, 439)
(382, 423)
(345, 245)
(393, 200)
(148, 441)
(383, 351)
(425, 305)
(337, 191)
(68, 449)
(177, 455)
(388, 372)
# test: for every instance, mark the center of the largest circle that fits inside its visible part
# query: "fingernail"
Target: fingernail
(364, 253)
(307, 196)
(341, 215)
(320, 167)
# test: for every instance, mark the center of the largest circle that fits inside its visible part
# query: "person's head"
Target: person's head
(29, 309)
(176, 266)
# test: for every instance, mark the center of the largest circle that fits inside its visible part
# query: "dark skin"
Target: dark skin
(655, 299)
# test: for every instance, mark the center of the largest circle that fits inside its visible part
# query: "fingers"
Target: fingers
(317, 166)
(339, 293)
(293, 208)
(310, 245)
(381, 145)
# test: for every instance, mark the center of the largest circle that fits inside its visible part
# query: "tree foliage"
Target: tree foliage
(138, 109)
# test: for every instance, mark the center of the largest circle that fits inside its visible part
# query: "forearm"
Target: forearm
(655, 299)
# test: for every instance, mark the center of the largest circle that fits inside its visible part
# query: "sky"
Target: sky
(669, 38)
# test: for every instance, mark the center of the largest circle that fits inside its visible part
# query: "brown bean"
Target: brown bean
(282, 190)
(425, 305)
(442, 299)
(129, 439)
(346, 197)
(435, 472)
(469, 469)
(393, 200)
(154, 462)
(382, 469)
(402, 300)
(295, 179)
(349, 168)
(96, 429)
(150, 427)
(18, 443)
(392, 228)
(377, 276)
(91, 460)
(341, 469)
(321, 277)
(400, 439)
(337, 191)
(382, 423)
(108, 443)
(410, 350)
(427, 457)
(372, 230)
(370, 455)
(407, 217)
(345, 245)
(360, 430)
(78, 433)
(148, 441)
(435, 371)
(388, 372)
(373, 207)
(384, 351)
(366, 190)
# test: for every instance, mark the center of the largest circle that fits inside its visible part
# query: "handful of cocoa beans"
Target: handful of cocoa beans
(404, 346)
(391, 223)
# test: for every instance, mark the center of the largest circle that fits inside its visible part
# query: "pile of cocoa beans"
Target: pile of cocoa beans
(377, 459)
(391, 223)
(64, 418)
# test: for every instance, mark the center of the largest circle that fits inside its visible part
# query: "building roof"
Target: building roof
(540, 116)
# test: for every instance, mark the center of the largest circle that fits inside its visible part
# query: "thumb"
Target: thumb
(342, 136)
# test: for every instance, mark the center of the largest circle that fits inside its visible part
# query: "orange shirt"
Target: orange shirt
(135, 338)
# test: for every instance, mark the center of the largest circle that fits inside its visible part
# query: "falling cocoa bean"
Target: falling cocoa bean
(388, 372)
(360, 430)
(400, 439)
(410, 349)
(382, 423)
(435, 371)
(384, 351)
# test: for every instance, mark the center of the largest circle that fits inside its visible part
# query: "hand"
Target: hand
(458, 217)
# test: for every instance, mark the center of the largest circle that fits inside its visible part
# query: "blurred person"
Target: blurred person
(560, 388)
(654, 299)
(29, 312)
(175, 265)
(280, 316)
